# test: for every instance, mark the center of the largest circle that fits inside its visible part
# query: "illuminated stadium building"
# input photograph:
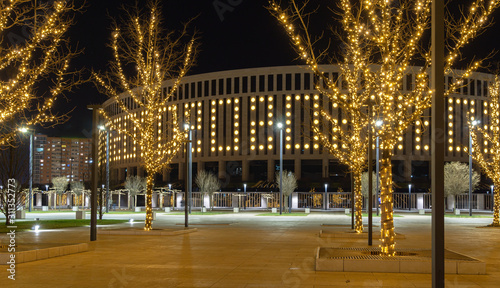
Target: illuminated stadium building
(235, 115)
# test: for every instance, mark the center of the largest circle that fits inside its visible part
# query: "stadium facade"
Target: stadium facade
(234, 116)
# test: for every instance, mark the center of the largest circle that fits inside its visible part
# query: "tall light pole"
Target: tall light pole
(492, 186)
(378, 123)
(437, 139)
(326, 197)
(189, 174)
(280, 126)
(30, 200)
(245, 192)
(370, 179)
(93, 187)
(102, 128)
(409, 197)
(71, 159)
(474, 123)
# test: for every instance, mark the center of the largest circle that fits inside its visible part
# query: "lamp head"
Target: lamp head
(101, 127)
(186, 126)
(23, 129)
(280, 125)
(475, 122)
(379, 123)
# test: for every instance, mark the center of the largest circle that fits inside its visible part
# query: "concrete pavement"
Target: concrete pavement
(244, 250)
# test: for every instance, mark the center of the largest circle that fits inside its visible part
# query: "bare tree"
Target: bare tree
(208, 184)
(77, 188)
(489, 163)
(134, 185)
(385, 39)
(289, 185)
(28, 57)
(155, 56)
(59, 184)
(456, 180)
(364, 184)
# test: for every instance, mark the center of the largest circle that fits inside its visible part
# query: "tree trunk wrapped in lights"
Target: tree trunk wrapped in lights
(489, 162)
(33, 51)
(386, 203)
(144, 57)
(382, 40)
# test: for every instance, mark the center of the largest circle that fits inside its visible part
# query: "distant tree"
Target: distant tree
(456, 179)
(77, 188)
(364, 184)
(59, 184)
(134, 185)
(208, 184)
(289, 185)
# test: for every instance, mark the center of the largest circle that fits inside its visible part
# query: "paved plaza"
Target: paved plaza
(242, 250)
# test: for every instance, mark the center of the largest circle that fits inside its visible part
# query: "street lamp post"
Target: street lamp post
(107, 166)
(189, 171)
(30, 200)
(474, 123)
(280, 126)
(71, 159)
(492, 186)
(409, 197)
(378, 123)
(245, 192)
(326, 197)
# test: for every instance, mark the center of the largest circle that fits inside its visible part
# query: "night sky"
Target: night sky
(242, 36)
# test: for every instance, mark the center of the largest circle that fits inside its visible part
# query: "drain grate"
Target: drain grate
(356, 253)
(399, 253)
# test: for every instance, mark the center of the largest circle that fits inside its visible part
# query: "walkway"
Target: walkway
(244, 251)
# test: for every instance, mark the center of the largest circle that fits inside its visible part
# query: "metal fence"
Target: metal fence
(462, 201)
(316, 200)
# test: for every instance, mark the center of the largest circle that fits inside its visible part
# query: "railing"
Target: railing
(313, 200)
(310, 200)
(223, 199)
(339, 200)
(462, 201)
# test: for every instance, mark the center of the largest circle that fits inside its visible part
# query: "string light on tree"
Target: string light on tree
(489, 162)
(41, 56)
(157, 56)
(382, 38)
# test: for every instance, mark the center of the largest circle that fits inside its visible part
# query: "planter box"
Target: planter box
(457, 211)
(45, 208)
(274, 210)
(348, 211)
(167, 209)
(154, 215)
(307, 210)
(204, 209)
(20, 214)
(137, 209)
(421, 211)
(235, 210)
(80, 214)
(75, 208)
